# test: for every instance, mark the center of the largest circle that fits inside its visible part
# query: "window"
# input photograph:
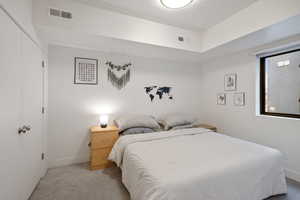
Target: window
(280, 84)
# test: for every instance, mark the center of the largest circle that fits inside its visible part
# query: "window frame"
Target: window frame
(262, 61)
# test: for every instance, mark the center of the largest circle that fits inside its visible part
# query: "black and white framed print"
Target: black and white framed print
(86, 71)
(221, 99)
(239, 99)
(230, 82)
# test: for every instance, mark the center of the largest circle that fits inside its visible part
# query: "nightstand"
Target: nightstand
(210, 127)
(102, 141)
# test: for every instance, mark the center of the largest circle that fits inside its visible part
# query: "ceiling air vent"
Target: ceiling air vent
(60, 13)
(66, 15)
(54, 12)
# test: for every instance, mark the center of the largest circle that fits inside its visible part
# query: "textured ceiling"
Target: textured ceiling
(199, 15)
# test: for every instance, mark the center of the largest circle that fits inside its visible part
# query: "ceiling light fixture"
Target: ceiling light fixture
(175, 3)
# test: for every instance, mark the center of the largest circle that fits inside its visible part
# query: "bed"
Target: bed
(197, 164)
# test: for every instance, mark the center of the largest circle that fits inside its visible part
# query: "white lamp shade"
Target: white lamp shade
(104, 119)
(175, 3)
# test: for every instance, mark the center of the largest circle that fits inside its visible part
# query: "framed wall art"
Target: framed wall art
(119, 75)
(221, 99)
(157, 92)
(230, 82)
(239, 99)
(85, 71)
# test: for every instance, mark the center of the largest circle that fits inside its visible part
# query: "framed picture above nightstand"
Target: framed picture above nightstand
(85, 71)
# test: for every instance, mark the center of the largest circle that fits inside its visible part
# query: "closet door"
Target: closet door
(32, 92)
(20, 104)
(11, 187)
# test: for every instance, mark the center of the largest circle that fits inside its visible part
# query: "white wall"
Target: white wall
(256, 17)
(100, 22)
(242, 122)
(104, 30)
(21, 11)
(75, 108)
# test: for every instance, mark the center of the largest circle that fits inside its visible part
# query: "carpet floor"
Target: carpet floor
(77, 182)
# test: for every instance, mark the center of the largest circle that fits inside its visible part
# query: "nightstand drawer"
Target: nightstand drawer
(99, 156)
(102, 140)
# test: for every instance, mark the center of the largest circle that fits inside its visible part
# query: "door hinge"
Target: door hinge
(43, 64)
(43, 110)
(43, 156)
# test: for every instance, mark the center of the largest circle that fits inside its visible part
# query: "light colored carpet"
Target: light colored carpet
(77, 182)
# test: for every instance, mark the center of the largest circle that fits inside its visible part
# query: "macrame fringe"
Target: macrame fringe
(121, 82)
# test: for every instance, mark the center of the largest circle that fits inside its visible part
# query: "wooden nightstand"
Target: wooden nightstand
(102, 141)
(210, 127)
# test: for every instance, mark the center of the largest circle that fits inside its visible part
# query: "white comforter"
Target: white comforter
(196, 164)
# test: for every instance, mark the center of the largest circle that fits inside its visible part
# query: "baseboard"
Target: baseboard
(68, 161)
(292, 175)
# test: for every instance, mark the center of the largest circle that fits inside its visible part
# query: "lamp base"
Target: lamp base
(103, 125)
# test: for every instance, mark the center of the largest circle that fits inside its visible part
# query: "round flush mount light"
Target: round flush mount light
(175, 3)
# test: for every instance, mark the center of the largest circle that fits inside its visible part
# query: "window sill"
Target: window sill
(277, 117)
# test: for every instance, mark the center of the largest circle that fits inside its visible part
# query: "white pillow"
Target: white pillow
(182, 127)
(135, 121)
(139, 130)
(176, 119)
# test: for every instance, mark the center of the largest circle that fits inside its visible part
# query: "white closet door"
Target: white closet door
(32, 92)
(20, 104)
(11, 162)
(44, 116)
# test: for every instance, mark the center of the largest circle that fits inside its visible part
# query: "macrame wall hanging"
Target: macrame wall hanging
(118, 75)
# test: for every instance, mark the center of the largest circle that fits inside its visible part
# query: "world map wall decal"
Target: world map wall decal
(156, 92)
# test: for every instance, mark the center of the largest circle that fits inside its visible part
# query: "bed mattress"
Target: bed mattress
(197, 164)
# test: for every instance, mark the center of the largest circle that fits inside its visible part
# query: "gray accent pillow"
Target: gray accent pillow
(138, 130)
(182, 127)
(134, 121)
(176, 119)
